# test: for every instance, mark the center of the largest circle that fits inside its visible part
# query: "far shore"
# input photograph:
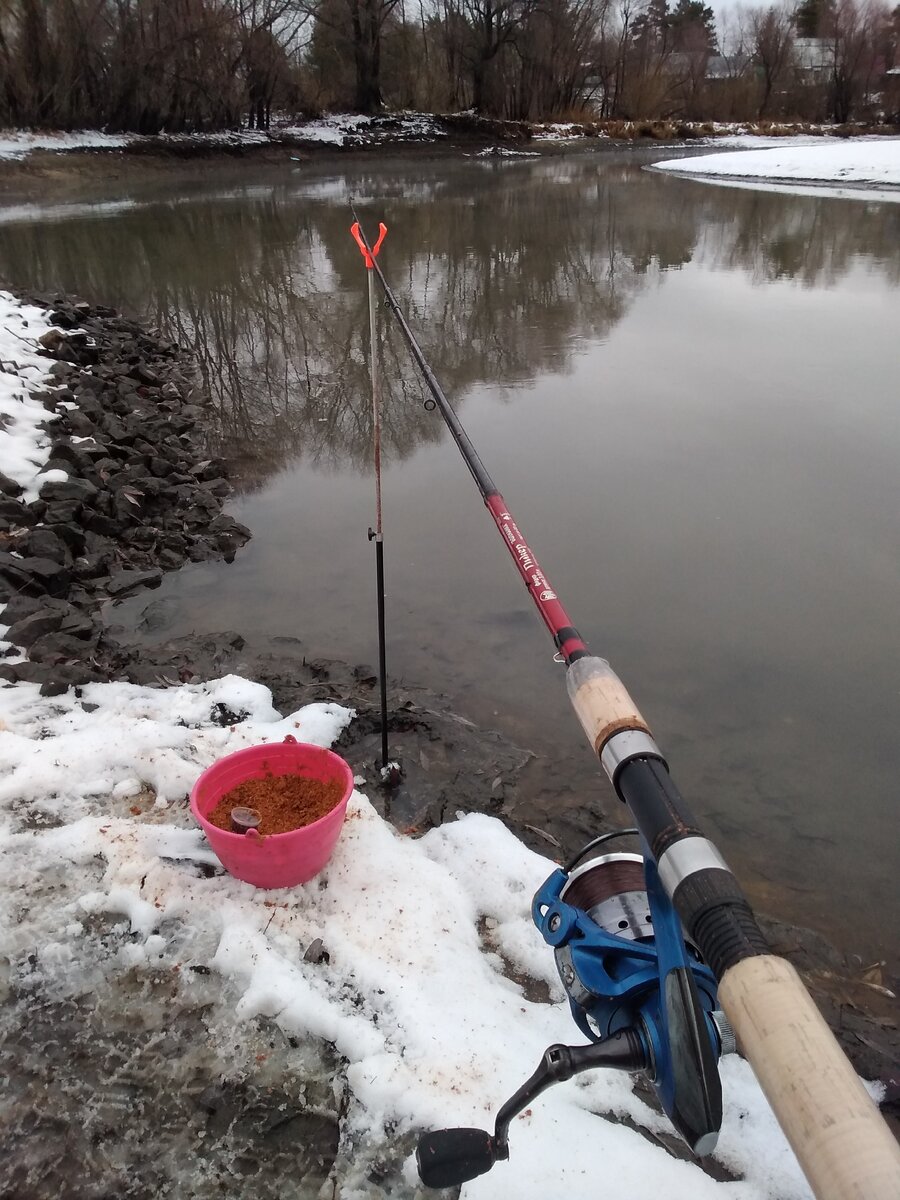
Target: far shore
(42, 172)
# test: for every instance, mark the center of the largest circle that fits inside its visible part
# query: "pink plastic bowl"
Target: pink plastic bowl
(279, 859)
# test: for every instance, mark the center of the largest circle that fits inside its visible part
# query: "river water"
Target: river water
(689, 397)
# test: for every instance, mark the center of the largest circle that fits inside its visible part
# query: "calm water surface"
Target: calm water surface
(689, 396)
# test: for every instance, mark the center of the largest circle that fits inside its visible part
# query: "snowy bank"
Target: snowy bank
(337, 129)
(19, 143)
(868, 162)
(427, 943)
(25, 444)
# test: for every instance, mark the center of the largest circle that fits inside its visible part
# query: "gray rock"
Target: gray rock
(59, 647)
(99, 523)
(78, 423)
(123, 583)
(35, 575)
(19, 606)
(63, 512)
(62, 318)
(67, 457)
(70, 534)
(27, 630)
(9, 487)
(52, 340)
(69, 489)
(43, 543)
(159, 614)
(145, 374)
(59, 679)
(77, 625)
(23, 672)
(91, 566)
(12, 512)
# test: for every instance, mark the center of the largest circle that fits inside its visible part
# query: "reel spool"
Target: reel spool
(612, 891)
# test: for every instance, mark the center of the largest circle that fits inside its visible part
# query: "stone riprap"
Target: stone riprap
(130, 493)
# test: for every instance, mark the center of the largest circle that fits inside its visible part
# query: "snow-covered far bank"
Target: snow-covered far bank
(871, 162)
(19, 143)
(427, 943)
(338, 129)
(349, 130)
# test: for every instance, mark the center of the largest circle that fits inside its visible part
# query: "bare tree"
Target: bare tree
(852, 28)
(359, 27)
(269, 32)
(772, 44)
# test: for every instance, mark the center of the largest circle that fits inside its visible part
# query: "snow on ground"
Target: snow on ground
(760, 141)
(25, 446)
(336, 129)
(495, 152)
(332, 130)
(558, 131)
(871, 161)
(17, 143)
(416, 995)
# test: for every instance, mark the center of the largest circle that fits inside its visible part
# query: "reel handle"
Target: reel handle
(447, 1157)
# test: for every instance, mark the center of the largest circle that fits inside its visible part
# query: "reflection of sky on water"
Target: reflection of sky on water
(688, 397)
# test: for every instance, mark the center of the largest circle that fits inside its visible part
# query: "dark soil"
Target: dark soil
(284, 802)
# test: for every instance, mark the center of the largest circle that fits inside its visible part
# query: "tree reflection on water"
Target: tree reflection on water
(502, 272)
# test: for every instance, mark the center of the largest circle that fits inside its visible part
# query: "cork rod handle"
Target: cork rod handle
(841, 1140)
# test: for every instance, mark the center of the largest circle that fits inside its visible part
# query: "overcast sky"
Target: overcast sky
(729, 7)
(721, 6)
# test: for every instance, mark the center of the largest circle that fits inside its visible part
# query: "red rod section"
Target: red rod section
(565, 635)
(539, 586)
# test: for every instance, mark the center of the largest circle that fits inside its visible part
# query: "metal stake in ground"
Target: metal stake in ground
(390, 771)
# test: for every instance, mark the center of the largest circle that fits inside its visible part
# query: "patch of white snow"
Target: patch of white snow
(433, 1029)
(870, 162)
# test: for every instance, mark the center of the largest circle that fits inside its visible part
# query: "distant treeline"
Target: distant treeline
(176, 65)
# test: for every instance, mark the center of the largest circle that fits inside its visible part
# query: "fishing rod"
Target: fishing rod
(648, 946)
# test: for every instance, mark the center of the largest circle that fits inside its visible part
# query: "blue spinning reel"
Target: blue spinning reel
(637, 988)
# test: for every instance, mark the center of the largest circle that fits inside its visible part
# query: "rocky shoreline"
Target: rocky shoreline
(129, 494)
